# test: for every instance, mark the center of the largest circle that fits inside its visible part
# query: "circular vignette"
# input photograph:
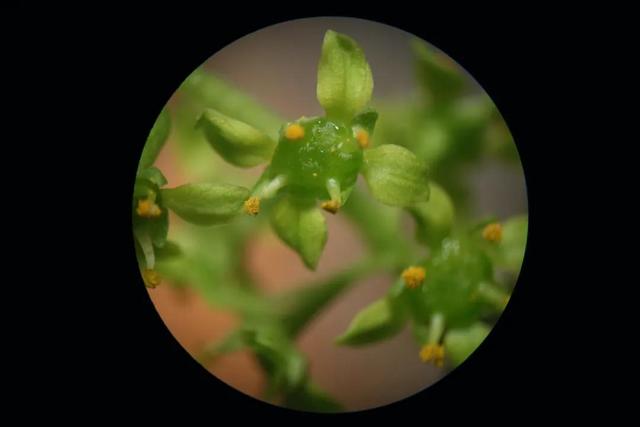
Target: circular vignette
(323, 199)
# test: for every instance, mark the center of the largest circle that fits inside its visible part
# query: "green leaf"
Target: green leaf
(209, 266)
(345, 83)
(205, 203)
(434, 218)
(153, 175)
(217, 289)
(312, 399)
(366, 120)
(159, 228)
(142, 188)
(301, 225)
(237, 142)
(441, 79)
(168, 251)
(514, 242)
(144, 248)
(297, 307)
(234, 341)
(375, 322)
(285, 366)
(420, 332)
(460, 343)
(206, 90)
(395, 175)
(156, 140)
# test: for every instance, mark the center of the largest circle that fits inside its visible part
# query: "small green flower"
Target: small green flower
(322, 160)
(316, 160)
(454, 274)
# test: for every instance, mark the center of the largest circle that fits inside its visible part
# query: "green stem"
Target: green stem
(233, 342)
(333, 188)
(300, 306)
(147, 248)
(493, 295)
(436, 328)
(268, 189)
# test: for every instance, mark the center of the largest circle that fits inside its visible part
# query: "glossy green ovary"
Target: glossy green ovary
(453, 277)
(327, 150)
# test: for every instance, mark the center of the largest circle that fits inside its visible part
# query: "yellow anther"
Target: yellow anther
(151, 278)
(147, 208)
(363, 138)
(294, 131)
(413, 276)
(433, 353)
(252, 205)
(330, 206)
(492, 232)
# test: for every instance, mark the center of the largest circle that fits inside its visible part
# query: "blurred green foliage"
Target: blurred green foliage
(452, 125)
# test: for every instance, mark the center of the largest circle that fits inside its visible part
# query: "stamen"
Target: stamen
(492, 232)
(294, 132)
(252, 205)
(362, 136)
(151, 278)
(493, 295)
(413, 276)
(433, 353)
(147, 208)
(268, 189)
(333, 188)
(330, 206)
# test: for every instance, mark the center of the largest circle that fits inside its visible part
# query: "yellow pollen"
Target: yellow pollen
(252, 205)
(492, 232)
(363, 138)
(151, 278)
(294, 131)
(433, 353)
(330, 206)
(148, 209)
(413, 276)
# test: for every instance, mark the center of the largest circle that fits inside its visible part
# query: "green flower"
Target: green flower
(315, 162)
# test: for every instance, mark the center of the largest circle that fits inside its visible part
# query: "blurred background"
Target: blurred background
(277, 67)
